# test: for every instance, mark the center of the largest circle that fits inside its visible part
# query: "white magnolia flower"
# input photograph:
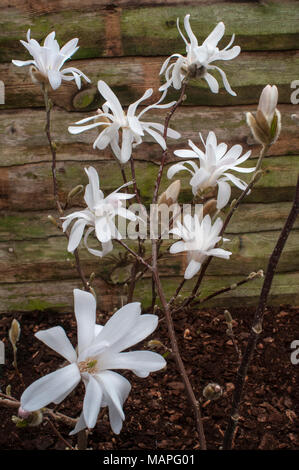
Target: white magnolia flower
(99, 351)
(127, 126)
(199, 240)
(215, 166)
(99, 215)
(49, 58)
(198, 59)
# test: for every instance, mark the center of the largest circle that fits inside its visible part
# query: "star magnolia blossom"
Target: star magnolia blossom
(215, 164)
(99, 351)
(132, 129)
(198, 59)
(49, 58)
(99, 216)
(199, 240)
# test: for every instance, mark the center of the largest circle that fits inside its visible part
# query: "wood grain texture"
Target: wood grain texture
(23, 139)
(48, 260)
(125, 42)
(146, 30)
(58, 295)
(29, 186)
(129, 77)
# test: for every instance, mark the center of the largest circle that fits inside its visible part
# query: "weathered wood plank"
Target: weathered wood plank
(249, 218)
(48, 259)
(23, 139)
(58, 295)
(130, 76)
(29, 186)
(257, 26)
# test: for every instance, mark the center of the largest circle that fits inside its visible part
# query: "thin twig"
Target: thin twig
(55, 185)
(9, 402)
(226, 289)
(138, 258)
(171, 331)
(66, 443)
(257, 326)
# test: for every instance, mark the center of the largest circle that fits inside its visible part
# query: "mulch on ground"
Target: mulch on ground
(158, 415)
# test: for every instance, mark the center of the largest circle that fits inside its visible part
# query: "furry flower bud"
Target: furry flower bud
(266, 124)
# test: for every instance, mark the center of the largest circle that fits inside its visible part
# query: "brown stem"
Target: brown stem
(171, 331)
(10, 402)
(180, 365)
(54, 178)
(257, 325)
(82, 439)
(166, 125)
(55, 430)
(138, 258)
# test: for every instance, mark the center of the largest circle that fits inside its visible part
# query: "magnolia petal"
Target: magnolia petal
(92, 402)
(116, 388)
(126, 148)
(145, 361)
(111, 99)
(85, 312)
(212, 82)
(177, 247)
(21, 63)
(224, 192)
(80, 425)
(192, 269)
(48, 388)
(56, 339)
(76, 234)
(142, 328)
(54, 78)
(120, 324)
(220, 253)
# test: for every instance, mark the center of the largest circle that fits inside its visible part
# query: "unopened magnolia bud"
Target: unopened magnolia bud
(53, 221)
(154, 343)
(37, 77)
(260, 273)
(210, 207)
(8, 390)
(27, 418)
(14, 332)
(212, 391)
(75, 191)
(266, 124)
(258, 328)
(227, 316)
(23, 413)
(233, 286)
(170, 196)
(91, 277)
(92, 291)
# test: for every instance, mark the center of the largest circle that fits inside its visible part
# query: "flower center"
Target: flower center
(90, 365)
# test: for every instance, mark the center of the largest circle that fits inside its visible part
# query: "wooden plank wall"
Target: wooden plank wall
(124, 43)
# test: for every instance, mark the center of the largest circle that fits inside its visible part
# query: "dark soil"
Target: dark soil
(158, 415)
